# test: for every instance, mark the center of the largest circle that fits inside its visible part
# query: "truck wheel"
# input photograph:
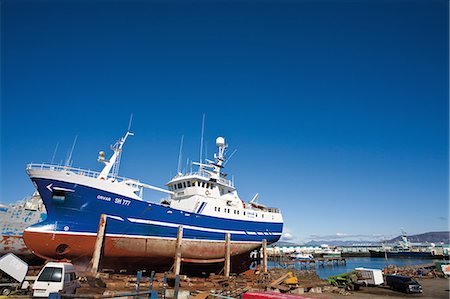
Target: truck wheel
(6, 291)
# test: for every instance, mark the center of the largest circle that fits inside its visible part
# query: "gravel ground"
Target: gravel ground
(432, 288)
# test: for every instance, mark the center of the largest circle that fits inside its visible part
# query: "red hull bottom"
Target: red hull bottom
(132, 253)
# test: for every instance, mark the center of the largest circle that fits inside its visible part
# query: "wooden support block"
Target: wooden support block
(98, 244)
(227, 255)
(177, 262)
(264, 254)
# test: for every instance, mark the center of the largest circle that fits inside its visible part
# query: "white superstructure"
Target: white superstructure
(209, 192)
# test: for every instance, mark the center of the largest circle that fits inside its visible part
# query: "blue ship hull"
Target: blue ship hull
(136, 231)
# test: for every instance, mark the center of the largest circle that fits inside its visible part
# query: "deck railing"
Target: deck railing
(79, 171)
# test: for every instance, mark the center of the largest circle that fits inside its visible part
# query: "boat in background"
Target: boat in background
(404, 249)
(140, 233)
(327, 251)
(14, 218)
(301, 256)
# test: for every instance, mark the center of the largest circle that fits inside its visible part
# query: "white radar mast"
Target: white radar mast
(220, 156)
(114, 162)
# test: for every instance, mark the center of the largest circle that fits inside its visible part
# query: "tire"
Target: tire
(6, 291)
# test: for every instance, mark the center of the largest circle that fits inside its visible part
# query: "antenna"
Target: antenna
(71, 151)
(179, 154)
(206, 150)
(201, 140)
(54, 153)
(129, 123)
(229, 157)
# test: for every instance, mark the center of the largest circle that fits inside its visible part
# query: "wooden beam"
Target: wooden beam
(98, 244)
(227, 266)
(280, 280)
(264, 255)
(177, 262)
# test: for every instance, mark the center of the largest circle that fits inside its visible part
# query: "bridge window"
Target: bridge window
(180, 186)
(188, 183)
(184, 184)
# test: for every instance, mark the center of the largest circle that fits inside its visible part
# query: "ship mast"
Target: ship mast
(219, 157)
(114, 162)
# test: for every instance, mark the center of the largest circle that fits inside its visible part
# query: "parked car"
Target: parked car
(56, 277)
(403, 284)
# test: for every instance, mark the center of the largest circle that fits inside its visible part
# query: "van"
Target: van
(403, 284)
(55, 277)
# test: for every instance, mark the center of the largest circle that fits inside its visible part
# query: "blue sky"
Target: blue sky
(338, 109)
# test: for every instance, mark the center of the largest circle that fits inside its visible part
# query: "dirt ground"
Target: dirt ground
(432, 288)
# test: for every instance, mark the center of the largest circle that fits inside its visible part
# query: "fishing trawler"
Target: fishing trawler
(138, 232)
(404, 249)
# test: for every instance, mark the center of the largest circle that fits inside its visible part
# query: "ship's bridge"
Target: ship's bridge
(198, 183)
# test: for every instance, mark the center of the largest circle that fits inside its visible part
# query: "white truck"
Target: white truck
(369, 277)
(13, 272)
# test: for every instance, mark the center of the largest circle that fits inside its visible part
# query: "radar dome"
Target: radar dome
(220, 141)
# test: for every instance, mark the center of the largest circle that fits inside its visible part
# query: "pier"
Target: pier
(284, 261)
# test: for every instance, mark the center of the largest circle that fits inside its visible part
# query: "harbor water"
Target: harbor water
(327, 270)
